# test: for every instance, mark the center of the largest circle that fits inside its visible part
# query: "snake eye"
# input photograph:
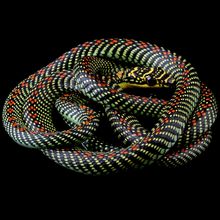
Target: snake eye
(151, 81)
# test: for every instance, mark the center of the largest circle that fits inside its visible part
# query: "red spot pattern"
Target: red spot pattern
(10, 119)
(49, 66)
(32, 108)
(49, 79)
(14, 124)
(61, 58)
(186, 72)
(165, 120)
(134, 147)
(111, 155)
(128, 42)
(113, 90)
(171, 111)
(181, 65)
(22, 129)
(166, 53)
(191, 146)
(11, 102)
(83, 107)
(154, 100)
(35, 92)
(86, 122)
(32, 77)
(86, 44)
(194, 122)
(97, 42)
(42, 129)
(62, 75)
(66, 95)
(184, 150)
(125, 95)
(40, 85)
(68, 131)
(74, 50)
(34, 115)
(124, 151)
(88, 154)
(122, 120)
(145, 99)
(113, 41)
(10, 110)
(15, 93)
(42, 71)
(91, 117)
(143, 44)
(79, 128)
(24, 84)
(77, 152)
(32, 100)
(147, 139)
(198, 114)
(156, 49)
(157, 130)
(175, 59)
(102, 84)
(100, 156)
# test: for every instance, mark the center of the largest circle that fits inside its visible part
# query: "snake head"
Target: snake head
(146, 77)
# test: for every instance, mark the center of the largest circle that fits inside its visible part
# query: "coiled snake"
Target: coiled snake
(88, 82)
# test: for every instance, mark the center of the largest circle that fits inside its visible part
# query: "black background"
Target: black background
(33, 39)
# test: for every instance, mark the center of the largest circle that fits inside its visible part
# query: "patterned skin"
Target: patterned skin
(98, 72)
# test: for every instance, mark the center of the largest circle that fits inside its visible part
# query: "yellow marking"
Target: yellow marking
(133, 71)
(150, 71)
(125, 85)
(147, 73)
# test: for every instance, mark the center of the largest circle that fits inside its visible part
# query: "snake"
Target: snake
(88, 86)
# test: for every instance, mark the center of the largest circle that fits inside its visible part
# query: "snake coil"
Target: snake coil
(87, 82)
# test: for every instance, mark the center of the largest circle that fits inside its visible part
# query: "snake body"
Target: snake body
(88, 82)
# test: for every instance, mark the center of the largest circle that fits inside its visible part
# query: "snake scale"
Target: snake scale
(88, 83)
